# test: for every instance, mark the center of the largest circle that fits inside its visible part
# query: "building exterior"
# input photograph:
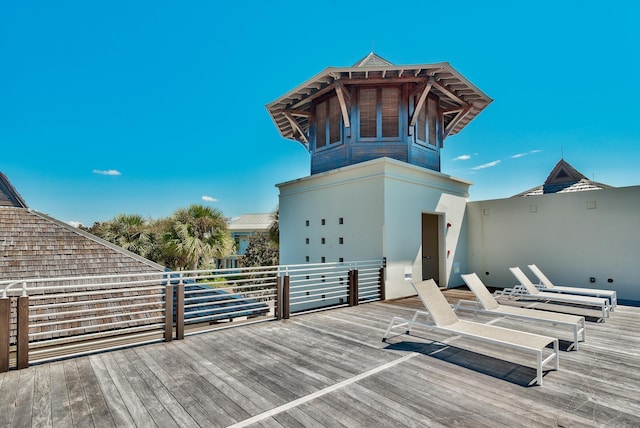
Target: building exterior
(242, 229)
(374, 132)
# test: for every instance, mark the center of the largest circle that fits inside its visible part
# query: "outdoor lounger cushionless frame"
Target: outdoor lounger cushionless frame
(547, 285)
(487, 304)
(528, 290)
(444, 319)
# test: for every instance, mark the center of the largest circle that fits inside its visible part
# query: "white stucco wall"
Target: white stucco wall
(381, 203)
(571, 237)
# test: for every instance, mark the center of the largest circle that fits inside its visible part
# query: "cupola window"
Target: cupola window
(328, 122)
(379, 112)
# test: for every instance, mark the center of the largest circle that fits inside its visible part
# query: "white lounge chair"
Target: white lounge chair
(528, 290)
(547, 285)
(444, 319)
(487, 304)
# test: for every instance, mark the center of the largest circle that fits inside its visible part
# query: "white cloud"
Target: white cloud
(209, 199)
(463, 157)
(487, 165)
(519, 155)
(74, 223)
(107, 172)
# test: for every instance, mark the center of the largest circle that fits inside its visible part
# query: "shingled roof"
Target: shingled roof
(562, 179)
(34, 245)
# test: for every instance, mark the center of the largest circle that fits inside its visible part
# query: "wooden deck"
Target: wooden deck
(332, 369)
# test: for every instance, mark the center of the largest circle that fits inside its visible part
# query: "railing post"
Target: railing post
(278, 297)
(22, 339)
(168, 312)
(383, 292)
(5, 320)
(180, 310)
(353, 288)
(286, 306)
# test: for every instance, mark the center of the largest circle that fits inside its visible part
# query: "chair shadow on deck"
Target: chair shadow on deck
(494, 367)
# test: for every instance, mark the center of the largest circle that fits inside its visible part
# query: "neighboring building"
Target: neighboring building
(562, 179)
(374, 132)
(241, 231)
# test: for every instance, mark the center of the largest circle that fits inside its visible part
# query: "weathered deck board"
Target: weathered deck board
(229, 376)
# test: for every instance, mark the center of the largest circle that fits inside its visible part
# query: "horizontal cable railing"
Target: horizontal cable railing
(43, 319)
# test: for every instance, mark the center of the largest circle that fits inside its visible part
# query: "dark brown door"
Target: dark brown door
(430, 247)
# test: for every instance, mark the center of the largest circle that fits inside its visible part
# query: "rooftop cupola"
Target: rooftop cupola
(376, 109)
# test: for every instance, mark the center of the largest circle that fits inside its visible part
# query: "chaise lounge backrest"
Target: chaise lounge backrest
(435, 302)
(480, 290)
(541, 276)
(524, 280)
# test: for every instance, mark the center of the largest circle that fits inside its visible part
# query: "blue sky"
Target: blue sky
(145, 107)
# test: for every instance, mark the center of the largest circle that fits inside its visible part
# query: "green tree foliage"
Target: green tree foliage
(261, 251)
(193, 237)
(274, 228)
(131, 232)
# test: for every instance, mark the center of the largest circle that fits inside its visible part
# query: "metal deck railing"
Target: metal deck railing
(43, 319)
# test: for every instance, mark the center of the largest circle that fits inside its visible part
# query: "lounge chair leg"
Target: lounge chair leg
(539, 372)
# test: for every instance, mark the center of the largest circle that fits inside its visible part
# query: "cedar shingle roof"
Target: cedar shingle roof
(33, 245)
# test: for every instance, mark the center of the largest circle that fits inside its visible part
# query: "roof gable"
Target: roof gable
(564, 178)
(9, 196)
(372, 60)
(563, 173)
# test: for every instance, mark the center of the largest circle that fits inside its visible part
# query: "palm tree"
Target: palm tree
(196, 235)
(131, 232)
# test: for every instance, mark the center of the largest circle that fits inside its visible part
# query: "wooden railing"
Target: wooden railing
(45, 319)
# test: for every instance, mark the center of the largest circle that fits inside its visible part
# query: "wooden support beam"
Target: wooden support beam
(344, 97)
(22, 337)
(286, 303)
(449, 94)
(302, 113)
(180, 311)
(455, 120)
(278, 307)
(5, 320)
(352, 297)
(420, 104)
(311, 97)
(452, 111)
(296, 126)
(168, 313)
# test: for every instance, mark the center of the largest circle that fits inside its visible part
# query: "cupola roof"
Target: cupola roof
(460, 100)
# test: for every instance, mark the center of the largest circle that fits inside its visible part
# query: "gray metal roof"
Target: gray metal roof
(252, 222)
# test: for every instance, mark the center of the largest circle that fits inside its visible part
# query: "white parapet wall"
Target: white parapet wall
(585, 239)
(373, 210)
